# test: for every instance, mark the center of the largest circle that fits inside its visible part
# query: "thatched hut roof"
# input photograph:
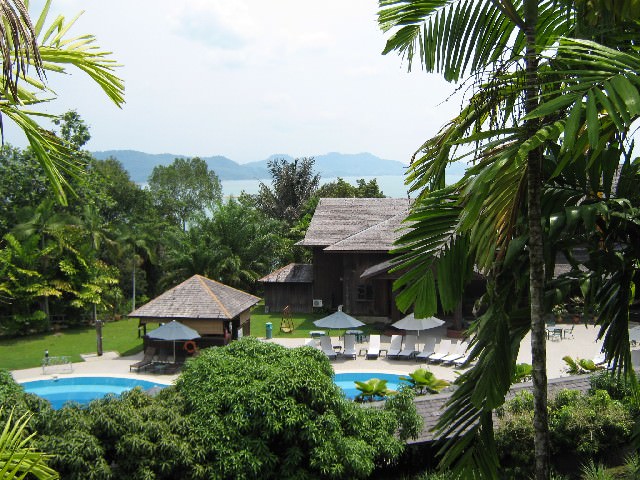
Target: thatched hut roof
(197, 297)
(292, 273)
(356, 224)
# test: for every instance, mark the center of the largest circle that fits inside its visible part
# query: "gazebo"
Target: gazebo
(216, 311)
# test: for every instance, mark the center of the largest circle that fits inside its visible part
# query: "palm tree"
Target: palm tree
(17, 457)
(23, 44)
(495, 211)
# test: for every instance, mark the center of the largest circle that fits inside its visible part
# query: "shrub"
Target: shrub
(589, 425)
(263, 411)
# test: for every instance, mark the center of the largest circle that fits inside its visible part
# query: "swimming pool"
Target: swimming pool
(83, 389)
(346, 381)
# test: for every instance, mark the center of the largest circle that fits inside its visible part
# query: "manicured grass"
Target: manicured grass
(122, 337)
(302, 322)
(27, 352)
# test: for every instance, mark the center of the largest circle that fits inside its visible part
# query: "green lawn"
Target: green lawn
(122, 337)
(26, 352)
(303, 324)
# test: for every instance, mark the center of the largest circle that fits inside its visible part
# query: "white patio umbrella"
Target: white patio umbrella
(338, 319)
(410, 322)
(173, 331)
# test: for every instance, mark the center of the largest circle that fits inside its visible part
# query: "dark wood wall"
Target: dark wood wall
(327, 278)
(364, 297)
(297, 295)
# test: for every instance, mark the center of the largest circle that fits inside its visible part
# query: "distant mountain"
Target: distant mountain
(334, 164)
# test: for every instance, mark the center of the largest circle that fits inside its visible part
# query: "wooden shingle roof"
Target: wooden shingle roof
(430, 407)
(356, 224)
(198, 297)
(292, 273)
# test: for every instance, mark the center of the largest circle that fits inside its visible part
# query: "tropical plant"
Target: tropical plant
(522, 373)
(593, 471)
(492, 218)
(47, 49)
(579, 366)
(292, 185)
(372, 390)
(18, 457)
(422, 380)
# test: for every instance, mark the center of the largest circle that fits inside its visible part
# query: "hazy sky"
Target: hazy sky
(250, 78)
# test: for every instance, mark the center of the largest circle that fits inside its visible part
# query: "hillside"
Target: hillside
(334, 164)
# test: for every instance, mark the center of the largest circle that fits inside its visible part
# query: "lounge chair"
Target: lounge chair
(459, 352)
(311, 342)
(373, 351)
(459, 362)
(442, 350)
(409, 349)
(429, 349)
(395, 346)
(327, 347)
(600, 359)
(349, 350)
(147, 360)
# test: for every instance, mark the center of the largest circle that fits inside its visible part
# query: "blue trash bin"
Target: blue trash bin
(269, 326)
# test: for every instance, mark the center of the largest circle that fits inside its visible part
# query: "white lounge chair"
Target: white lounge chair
(442, 350)
(311, 342)
(461, 361)
(349, 350)
(409, 349)
(395, 346)
(428, 349)
(327, 347)
(600, 359)
(373, 351)
(459, 352)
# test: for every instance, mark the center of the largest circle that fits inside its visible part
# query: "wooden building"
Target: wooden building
(347, 237)
(291, 285)
(207, 306)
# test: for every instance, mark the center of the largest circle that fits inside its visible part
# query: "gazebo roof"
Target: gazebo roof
(198, 297)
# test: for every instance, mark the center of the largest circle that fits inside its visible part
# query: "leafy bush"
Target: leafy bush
(24, 324)
(263, 411)
(589, 425)
(615, 385)
(514, 439)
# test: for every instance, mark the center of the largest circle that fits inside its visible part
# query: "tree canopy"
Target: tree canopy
(184, 189)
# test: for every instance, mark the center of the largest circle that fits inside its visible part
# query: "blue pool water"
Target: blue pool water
(346, 381)
(83, 389)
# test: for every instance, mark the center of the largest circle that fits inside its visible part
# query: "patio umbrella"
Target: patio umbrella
(410, 322)
(338, 319)
(173, 332)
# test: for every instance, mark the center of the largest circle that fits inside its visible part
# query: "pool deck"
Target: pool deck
(582, 345)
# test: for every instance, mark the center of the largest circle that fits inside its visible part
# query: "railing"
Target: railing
(61, 364)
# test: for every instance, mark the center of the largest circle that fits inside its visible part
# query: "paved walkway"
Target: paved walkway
(582, 345)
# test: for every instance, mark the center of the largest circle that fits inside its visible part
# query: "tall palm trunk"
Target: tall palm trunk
(536, 253)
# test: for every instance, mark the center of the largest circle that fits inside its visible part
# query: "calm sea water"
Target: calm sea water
(391, 185)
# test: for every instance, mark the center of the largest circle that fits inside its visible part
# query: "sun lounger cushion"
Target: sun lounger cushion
(442, 350)
(394, 346)
(409, 349)
(373, 351)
